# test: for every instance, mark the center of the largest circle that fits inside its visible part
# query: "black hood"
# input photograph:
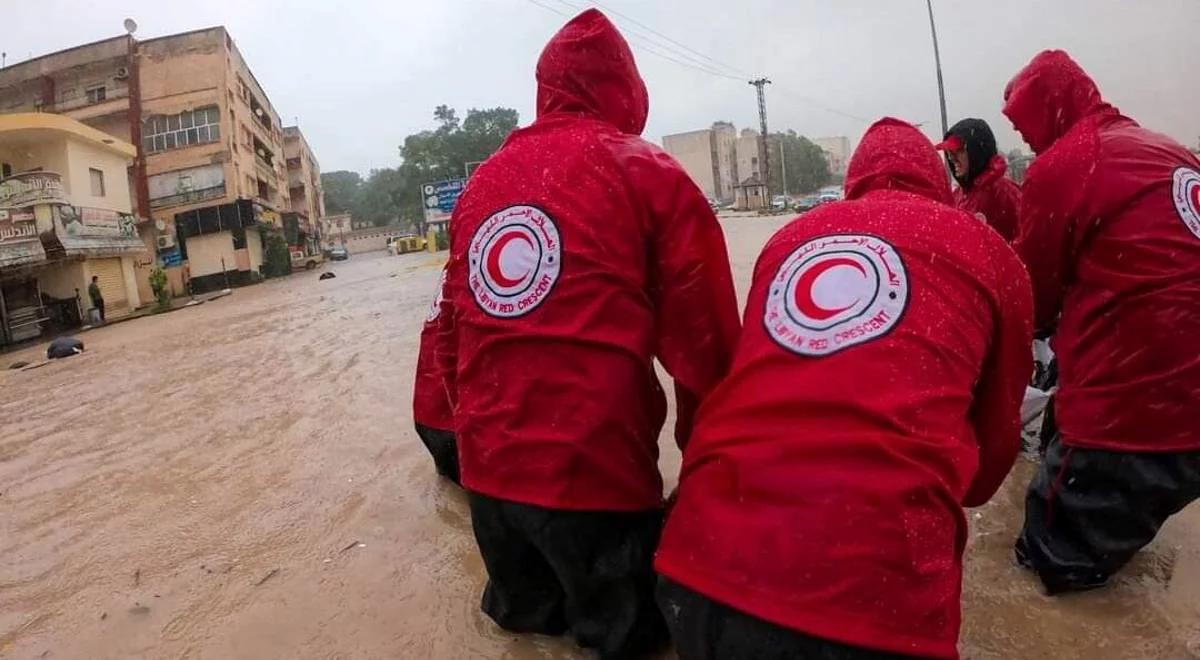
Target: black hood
(977, 137)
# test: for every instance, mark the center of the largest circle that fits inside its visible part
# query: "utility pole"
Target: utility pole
(783, 165)
(764, 152)
(937, 60)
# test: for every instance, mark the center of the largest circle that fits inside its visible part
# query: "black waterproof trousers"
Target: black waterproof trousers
(1088, 512)
(704, 629)
(587, 573)
(444, 450)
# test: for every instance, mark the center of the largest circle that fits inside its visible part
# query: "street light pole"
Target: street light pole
(783, 164)
(937, 60)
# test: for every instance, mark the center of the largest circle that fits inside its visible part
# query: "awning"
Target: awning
(88, 232)
(19, 243)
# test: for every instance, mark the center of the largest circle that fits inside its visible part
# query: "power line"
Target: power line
(677, 51)
(718, 64)
(647, 46)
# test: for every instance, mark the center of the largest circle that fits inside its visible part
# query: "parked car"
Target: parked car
(301, 261)
(780, 203)
(338, 253)
(808, 202)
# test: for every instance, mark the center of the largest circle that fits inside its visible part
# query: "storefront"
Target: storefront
(222, 244)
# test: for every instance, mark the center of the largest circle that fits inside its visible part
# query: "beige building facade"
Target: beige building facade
(303, 220)
(66, 216)
(210, 145)
(710, 158)
(837, 153)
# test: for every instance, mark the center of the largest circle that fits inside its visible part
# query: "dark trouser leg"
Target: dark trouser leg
(704, 629)
(595, 567)
(522, 592)
(1088, 512)
(444, 450)
(604, 561)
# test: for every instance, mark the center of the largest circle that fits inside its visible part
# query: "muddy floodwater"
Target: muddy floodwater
(241, 480)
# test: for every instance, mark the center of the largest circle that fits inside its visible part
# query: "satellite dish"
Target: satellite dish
(130, 25)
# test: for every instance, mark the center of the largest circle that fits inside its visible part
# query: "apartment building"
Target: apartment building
(709, 156)
(302, 222)
(210, 174)
(65, 216)
(837, 153)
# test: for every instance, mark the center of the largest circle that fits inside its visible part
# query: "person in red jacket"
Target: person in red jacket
(875, 392)
(432, 416)
(579, 253)
(1110, 232)
(983, 189)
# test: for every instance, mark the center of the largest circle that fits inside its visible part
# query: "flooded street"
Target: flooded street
(241, 480)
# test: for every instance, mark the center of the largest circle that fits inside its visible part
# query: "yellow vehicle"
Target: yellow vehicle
(405, 244)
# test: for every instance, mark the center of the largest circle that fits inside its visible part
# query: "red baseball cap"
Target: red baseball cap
(952, 143)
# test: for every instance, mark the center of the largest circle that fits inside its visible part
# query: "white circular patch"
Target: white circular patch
(1186, 195)
(834, 292)
(435, 310)
(515, 258)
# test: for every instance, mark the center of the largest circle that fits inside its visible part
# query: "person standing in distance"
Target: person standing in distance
(579, 254)
(97, 297)
(875, 392)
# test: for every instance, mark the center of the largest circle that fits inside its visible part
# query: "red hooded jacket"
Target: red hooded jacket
(1110, 232)
(431, 404)
(579, 253)
(875, 391)
(994, 197)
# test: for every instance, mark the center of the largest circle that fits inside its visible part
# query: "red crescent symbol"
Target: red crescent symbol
(1196, 198)
(804, 300)
(493, 259)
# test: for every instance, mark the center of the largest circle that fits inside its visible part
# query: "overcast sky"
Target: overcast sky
(361, 75)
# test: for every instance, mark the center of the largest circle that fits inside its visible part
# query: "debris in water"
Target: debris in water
(103, 615)
(353, 545)
(18, 364)
(266, 577)
(139, 610)
(64, 347)
(137, 577)
(326, 276)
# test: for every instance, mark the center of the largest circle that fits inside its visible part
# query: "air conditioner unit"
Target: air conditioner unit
(122, 73)
(166, 241)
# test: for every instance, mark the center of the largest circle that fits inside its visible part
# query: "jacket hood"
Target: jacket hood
(894, 155)
(1049, 96)
(976, 137)
(589, 70)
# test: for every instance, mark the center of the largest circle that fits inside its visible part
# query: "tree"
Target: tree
(342, 189)
(381, 197)
(807, 168)
(444, 152)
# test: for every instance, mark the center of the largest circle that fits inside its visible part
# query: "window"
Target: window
(97, 178)
(164, 132)
(69, 94)
(96, 94)
(5, 170)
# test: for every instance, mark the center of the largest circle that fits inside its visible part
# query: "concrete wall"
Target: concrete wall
(62, 279)
(725, 143)
(254, 249)
(365, 240)
(747, 154)
(695, 153)
(82, 157)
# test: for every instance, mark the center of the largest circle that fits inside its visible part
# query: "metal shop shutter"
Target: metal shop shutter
(112, 282)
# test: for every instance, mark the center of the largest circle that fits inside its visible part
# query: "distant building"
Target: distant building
(749, 149)
(837, 153)
(65, 217)
(709, 156)
(302, 222)
(210, 169)
(751, 194)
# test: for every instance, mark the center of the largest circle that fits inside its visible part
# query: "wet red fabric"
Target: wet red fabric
(556, 399)
(431, 403)
(994, 198)
(824, 492)
(1110, 234)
